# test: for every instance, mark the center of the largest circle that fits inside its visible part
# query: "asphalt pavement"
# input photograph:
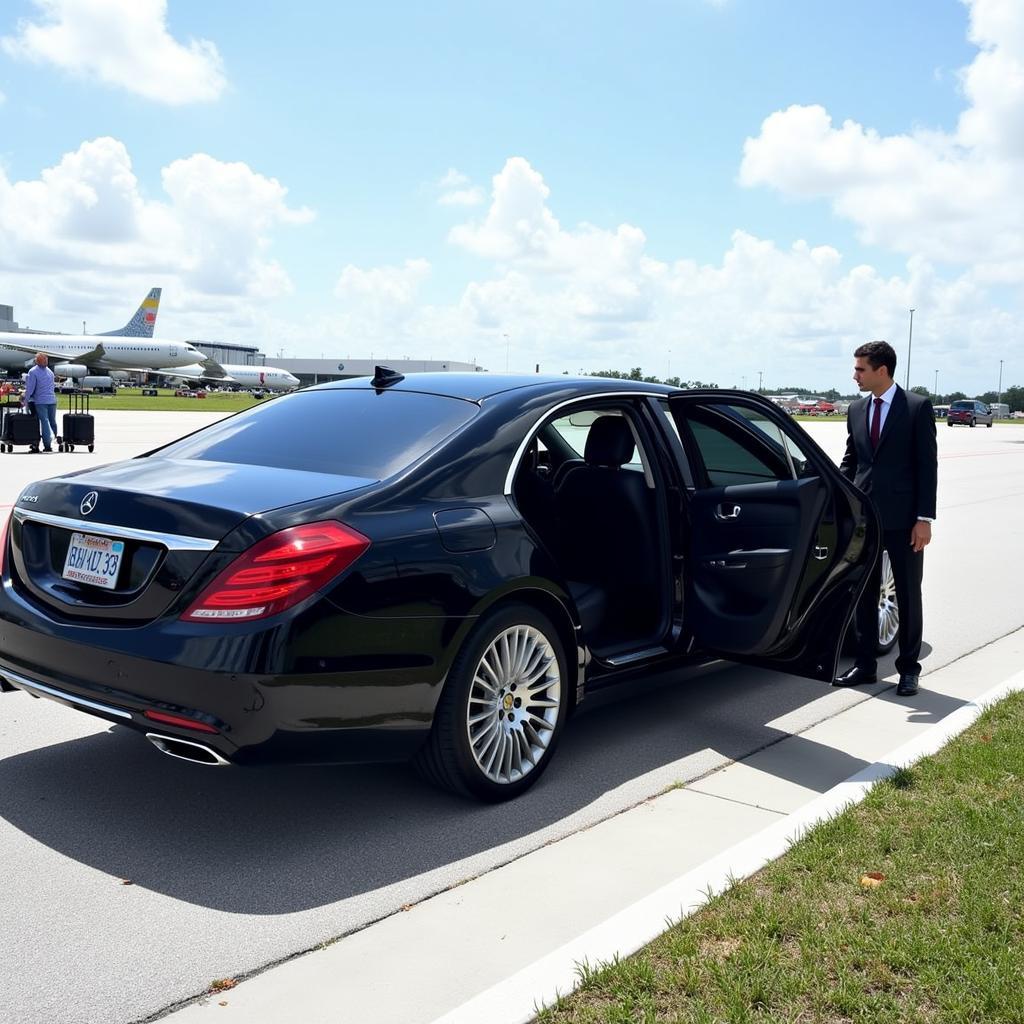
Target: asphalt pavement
(134, 881)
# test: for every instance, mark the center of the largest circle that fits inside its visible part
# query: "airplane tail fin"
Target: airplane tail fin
(141, 325)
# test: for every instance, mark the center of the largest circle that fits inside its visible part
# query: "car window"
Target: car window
(575, 427)
(343, 431)
(734, 455)
(774, 432)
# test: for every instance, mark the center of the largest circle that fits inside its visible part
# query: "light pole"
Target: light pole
(669, 374)
(936, 387)
(999, 393)
(760, 381)
(910, 343)
(508, 349)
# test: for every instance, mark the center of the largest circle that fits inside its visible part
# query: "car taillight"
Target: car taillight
(278, 572)
(164, 718)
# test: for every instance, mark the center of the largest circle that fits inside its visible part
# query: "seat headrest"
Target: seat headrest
(609, 442)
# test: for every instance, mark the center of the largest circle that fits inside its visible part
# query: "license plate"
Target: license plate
(93, 560)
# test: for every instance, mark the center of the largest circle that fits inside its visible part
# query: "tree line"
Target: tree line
(1012, 396)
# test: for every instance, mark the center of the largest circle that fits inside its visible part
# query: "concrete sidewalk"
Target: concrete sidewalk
(492, 949)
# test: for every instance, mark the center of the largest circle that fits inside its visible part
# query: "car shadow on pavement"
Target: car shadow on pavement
(287, 839)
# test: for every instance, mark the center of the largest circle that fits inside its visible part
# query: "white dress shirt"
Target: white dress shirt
(884, 410)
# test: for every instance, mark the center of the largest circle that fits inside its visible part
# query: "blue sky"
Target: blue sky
(719, 188)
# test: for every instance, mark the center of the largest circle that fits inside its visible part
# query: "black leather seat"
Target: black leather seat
(608, 537)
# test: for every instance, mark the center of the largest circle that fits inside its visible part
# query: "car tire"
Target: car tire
(989, 424)
(973, 424)
(888, 610)
(502, 709)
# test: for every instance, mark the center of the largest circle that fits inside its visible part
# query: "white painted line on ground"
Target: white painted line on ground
(517, 999)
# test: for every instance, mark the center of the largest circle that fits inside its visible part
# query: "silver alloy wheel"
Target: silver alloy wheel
(888, 611)
(513, 704)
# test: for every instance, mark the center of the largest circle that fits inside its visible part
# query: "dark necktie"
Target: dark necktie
(876, 423)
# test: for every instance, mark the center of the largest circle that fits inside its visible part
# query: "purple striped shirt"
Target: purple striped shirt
(39, 386)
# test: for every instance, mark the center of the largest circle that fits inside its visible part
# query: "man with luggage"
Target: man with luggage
(41, 397)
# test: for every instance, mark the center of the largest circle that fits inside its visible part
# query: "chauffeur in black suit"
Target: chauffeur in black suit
(891, 456)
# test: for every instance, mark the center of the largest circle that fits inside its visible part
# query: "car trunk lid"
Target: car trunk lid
(120, 543)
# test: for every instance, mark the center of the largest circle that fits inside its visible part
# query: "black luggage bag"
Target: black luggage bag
(17, 427)
(78, 425)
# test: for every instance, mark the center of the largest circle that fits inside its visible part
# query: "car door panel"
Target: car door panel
(775, 564)
(745, 568)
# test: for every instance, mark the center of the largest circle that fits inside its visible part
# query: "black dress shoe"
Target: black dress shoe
(907, 686)
(855, 677)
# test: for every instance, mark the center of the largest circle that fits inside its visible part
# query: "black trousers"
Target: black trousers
(907, 571)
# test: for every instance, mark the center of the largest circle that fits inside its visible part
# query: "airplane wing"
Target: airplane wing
(197, 371)
(180, 372)
(212, 370)
(92, 356)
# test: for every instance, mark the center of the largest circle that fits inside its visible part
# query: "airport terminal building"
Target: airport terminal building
(317, 371)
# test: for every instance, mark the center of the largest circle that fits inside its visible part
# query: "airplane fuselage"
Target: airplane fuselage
(119, 353)
(271, 378)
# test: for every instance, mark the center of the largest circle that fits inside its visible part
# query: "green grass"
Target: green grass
(941, 938)
(132, 400)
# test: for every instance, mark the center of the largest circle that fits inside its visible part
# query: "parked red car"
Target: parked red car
(969, 412)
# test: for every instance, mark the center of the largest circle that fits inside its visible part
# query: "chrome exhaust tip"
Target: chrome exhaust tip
(186, 750)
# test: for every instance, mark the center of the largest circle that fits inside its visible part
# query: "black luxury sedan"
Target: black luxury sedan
(435, 567)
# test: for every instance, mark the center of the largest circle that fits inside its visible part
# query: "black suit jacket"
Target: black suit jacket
(902, 474)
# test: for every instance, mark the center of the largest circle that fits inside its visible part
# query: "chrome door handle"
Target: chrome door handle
(726, 512)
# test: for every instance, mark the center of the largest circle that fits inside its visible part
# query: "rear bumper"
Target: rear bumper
(324, 719)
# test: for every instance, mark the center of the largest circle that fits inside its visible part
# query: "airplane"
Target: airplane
(269, 378)
(113, 352)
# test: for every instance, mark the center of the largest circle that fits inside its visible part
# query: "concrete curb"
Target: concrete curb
(516, 999)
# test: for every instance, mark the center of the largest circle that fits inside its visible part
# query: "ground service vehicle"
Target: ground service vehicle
(440, 570)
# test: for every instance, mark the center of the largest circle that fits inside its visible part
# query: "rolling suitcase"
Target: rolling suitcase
(78, 425)
(17, 428)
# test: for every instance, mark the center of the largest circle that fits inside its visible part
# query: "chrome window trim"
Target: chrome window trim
(171, 541)
(49, 691)
(596, 396)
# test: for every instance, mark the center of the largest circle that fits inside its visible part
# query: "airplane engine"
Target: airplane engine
(73, 370)
(98, 383)
(120, 375)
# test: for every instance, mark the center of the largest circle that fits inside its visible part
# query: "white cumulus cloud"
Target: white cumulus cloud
(123, 43)
(953, 197)
(593, 297)
(382, 287)
(85, 226)
(457, 190)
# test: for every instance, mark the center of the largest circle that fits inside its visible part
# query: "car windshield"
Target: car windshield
(342, 431)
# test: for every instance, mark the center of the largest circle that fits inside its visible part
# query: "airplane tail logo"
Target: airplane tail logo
(141, 325)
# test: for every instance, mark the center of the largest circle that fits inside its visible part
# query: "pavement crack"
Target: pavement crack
(733, 800)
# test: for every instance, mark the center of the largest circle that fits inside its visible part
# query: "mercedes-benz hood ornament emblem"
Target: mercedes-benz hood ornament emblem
(89, 503)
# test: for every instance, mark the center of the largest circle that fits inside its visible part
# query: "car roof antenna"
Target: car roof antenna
(384, 377)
